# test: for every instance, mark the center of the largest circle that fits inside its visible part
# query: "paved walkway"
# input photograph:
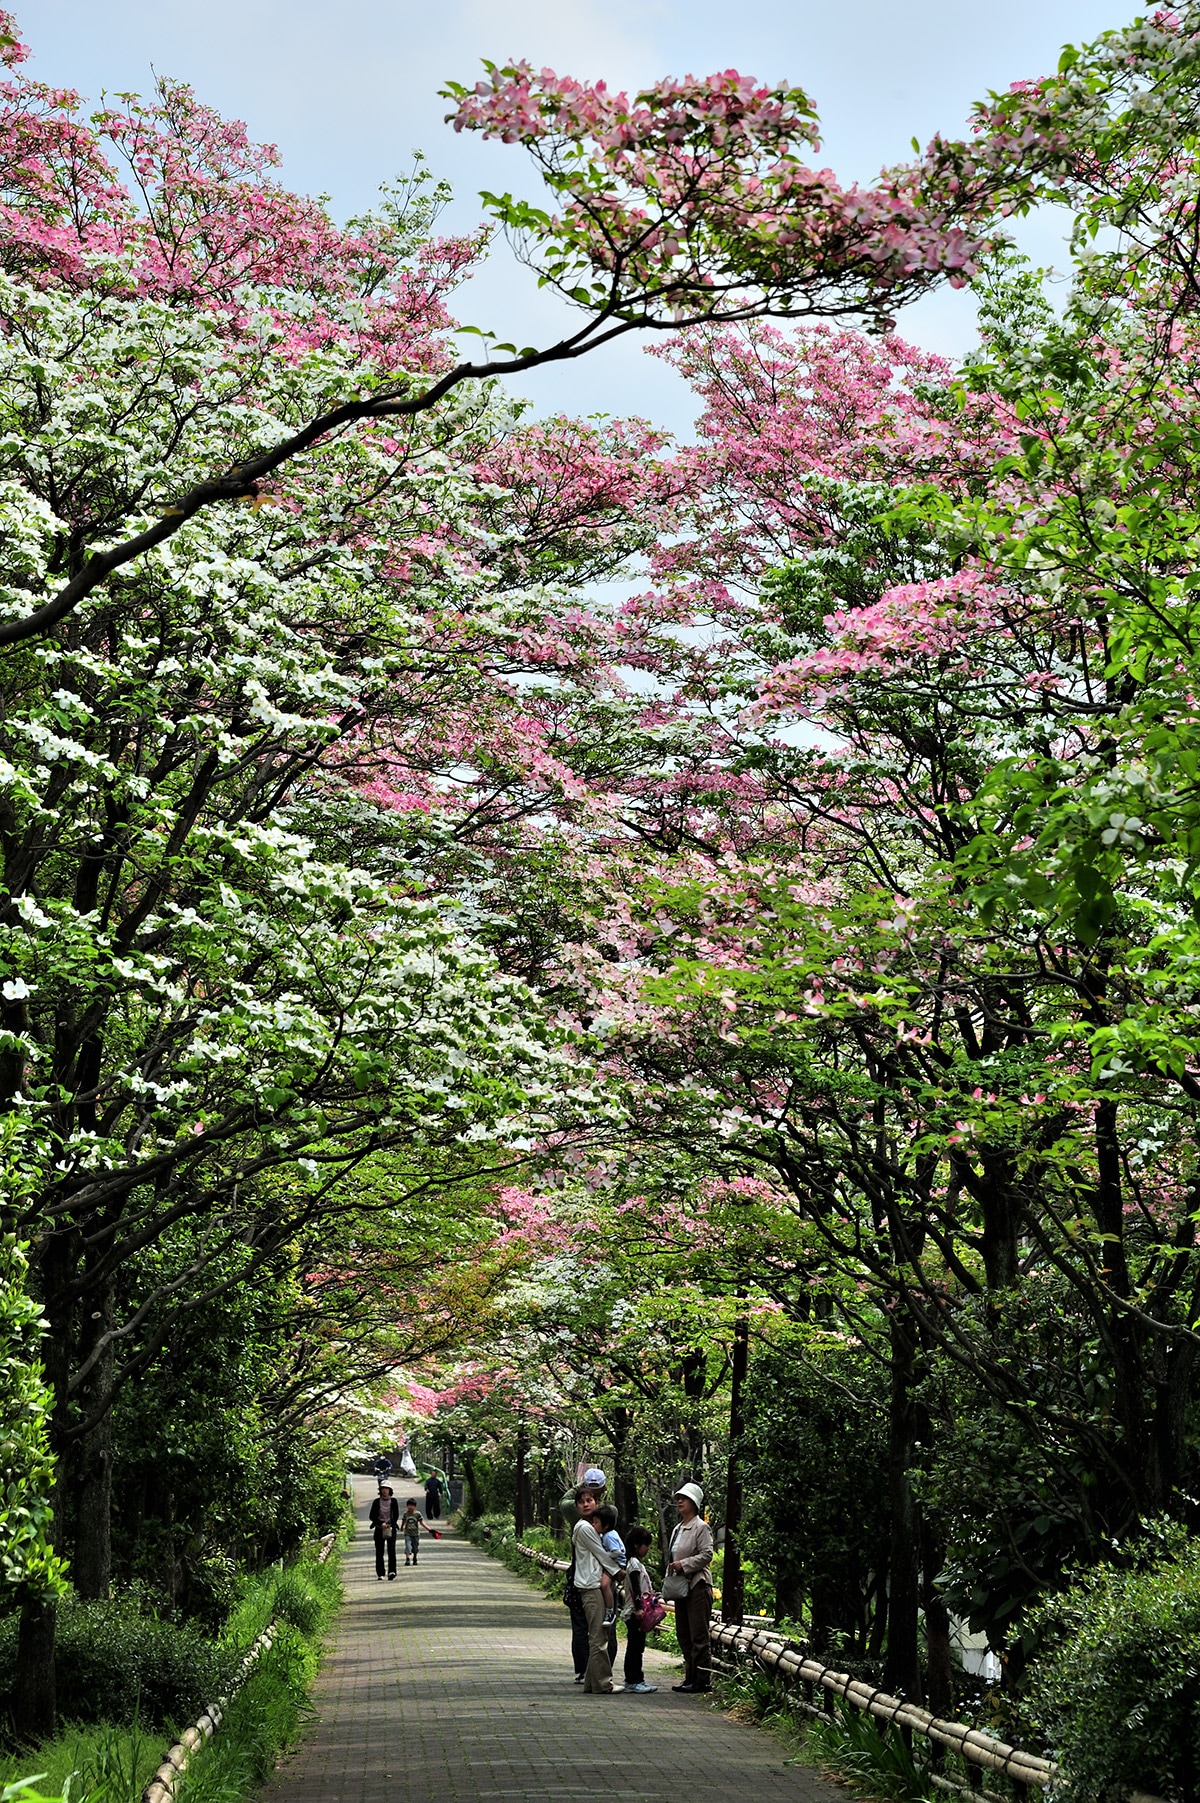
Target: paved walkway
(453, 1685)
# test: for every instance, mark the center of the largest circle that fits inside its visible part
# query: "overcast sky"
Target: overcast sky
(346, 89)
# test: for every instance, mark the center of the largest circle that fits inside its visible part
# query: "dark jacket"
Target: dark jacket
(376, 1517)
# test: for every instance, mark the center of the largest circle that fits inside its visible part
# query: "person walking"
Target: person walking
(411, 1523)
(384, 1518)
(689, 1561)
(591, 1558)
(433, 1496)
(639, 1591)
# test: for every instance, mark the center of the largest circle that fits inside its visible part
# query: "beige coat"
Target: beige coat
(692, 1546)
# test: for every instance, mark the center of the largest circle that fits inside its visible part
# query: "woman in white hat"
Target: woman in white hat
(689, 1562)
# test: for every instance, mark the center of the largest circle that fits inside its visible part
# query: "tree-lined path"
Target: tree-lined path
(454, 1683)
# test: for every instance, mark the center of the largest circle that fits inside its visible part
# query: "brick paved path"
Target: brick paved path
(453, 1685)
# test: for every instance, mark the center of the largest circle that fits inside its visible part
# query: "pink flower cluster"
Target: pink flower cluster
(696, 189)
(167, 200)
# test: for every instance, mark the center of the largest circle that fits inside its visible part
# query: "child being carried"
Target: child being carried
(606, 1522)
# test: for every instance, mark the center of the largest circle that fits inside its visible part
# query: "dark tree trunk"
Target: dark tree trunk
(879, 1619)
(624, 1484)
(733, 1582)
(902, 1667)
(92, 1565)
(695, 1367)
(1001, 1225)
(472, 1477)
(520, 1510)
(790, 1599)
(35, 1714)
(939, 1661)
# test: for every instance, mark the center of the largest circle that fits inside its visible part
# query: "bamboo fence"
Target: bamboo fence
(161, 1788)
(786, 1662)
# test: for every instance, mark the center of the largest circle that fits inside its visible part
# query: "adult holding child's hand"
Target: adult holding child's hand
(689, 1585)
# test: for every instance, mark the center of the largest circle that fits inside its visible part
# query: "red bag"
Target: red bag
(654, 1611)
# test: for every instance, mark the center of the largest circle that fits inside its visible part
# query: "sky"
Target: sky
(348, 88)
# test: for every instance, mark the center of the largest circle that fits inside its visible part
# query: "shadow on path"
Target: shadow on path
(454, 1684)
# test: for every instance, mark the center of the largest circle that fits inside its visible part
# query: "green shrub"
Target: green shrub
(118, 1664)
(877, 1757)
(263, 1718)
(266, 1714)
(305, 1594)
(1115, 1688)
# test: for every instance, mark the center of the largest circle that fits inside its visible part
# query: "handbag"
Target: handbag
(654, 1612)
(676, 1584)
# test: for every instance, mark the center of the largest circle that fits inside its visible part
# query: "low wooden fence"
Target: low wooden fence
(981, 1752)
(161, 1788)
(788, 1664)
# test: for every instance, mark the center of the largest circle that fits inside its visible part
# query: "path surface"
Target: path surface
(453, 1685)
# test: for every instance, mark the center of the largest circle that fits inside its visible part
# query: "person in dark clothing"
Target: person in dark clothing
(384, 1519)
(579, 1627)
(638, 1587)
(433, 1496)
(382, 1466)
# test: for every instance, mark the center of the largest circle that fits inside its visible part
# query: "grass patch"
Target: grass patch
(268, 1713)
(107, 1763)
(104, 1763)
(871, 1759)
(878, 1759)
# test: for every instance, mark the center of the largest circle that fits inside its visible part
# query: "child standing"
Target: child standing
(606, 1522)
(411, 1523)
(640, 1589)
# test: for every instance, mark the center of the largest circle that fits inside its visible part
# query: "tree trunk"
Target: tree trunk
(472, 1477)
(624, 1484)
(35, 1713)
(519, 1512)
(1001, 1213)
(92, 1564)
(939, 1661)
(733, 1582)
(695, 1367)
(902, 1667)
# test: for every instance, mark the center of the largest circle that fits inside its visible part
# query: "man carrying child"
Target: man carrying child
(593, 1560)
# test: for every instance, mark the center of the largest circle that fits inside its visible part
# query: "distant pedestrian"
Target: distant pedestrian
(639, 1592)
(433, 1496)
(411, 1523)
(384, 1518)
(382, 1467)
(690, 1560)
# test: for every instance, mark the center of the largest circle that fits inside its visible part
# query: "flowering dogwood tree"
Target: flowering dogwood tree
(736, 226)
